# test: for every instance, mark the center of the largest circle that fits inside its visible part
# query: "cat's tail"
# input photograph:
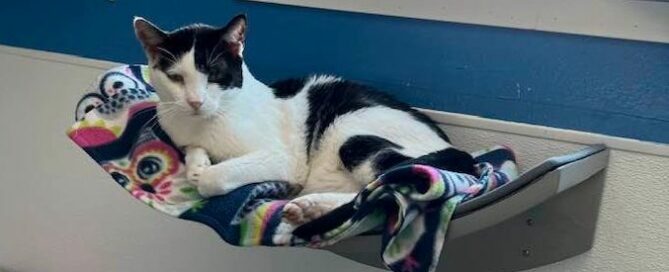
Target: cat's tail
(450, 159)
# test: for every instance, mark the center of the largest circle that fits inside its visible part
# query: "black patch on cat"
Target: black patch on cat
(359, 148)
(288, 88)
(449, 159)
(329, 100)
(388, 159)
(212, 54)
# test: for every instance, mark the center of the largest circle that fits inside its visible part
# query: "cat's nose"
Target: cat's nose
(195, 104)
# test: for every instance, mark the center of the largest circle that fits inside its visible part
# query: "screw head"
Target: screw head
(526, 252)
(530, 222)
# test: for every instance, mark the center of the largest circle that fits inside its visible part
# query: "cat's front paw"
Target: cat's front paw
(197, 161)
(194, 173)
(210, 182)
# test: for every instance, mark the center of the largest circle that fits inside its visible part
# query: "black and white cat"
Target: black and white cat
(328, 135)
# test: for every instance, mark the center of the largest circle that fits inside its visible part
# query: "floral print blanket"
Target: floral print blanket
(409, 206)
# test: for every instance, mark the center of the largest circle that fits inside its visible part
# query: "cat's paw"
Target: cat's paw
(197, 161)
(302, 210)
(194, 173)
(212, 182)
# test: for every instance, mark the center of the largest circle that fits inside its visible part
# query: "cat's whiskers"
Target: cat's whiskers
(156, 120)
(166, 114)
(208, 54)
(215, 58)
(219, 113)
(209, 62)
(153, 120)
(168, 110)
(168, 103)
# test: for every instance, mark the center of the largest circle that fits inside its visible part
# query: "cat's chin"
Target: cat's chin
(203, 116)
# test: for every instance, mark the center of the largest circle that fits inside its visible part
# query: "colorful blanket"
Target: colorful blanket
(409, 206)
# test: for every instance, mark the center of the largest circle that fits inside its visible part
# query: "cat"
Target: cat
(324, 134)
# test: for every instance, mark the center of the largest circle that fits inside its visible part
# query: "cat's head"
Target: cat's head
(195, 67)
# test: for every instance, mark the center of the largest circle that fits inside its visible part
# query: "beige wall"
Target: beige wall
(60, 212)
(633, 227)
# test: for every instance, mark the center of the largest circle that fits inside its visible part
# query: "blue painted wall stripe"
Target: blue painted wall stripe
(608, 86)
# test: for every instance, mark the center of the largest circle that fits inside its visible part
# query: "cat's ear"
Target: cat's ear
(149, 35)
(235, 33)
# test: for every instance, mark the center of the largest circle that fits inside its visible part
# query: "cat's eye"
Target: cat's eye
(176, 78)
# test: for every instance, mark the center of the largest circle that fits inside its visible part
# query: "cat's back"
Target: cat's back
(329, 110)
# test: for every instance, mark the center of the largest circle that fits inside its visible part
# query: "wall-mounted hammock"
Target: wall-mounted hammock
(515, 222)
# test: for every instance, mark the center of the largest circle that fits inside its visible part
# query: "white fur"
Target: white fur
(251, 136)
(241, 129)
(327, 172)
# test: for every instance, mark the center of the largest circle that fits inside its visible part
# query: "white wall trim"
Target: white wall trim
(57, 57)
(625, 19)
(444, 118)
(550, 133)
